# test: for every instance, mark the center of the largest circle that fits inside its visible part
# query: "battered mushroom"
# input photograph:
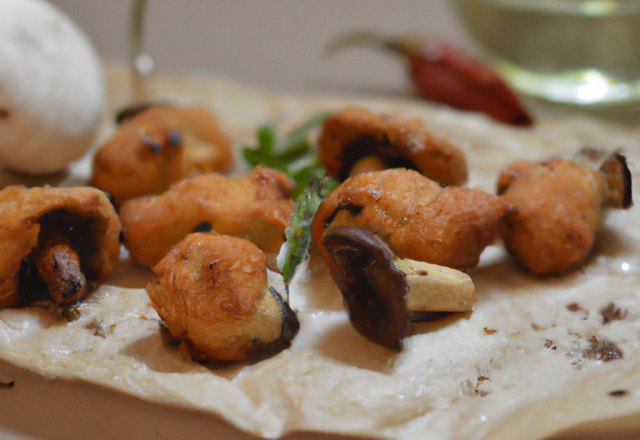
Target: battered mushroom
(381, 290)
(213, 292)
(559, 206)
(256, 206)
(415, 216)
(158, 147)
(357, 140)
(55, 244)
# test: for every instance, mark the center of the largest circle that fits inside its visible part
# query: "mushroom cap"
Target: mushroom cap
(372, 285)
(415, 216)
(212, 290)
(256, 206)
(354, 133)
(84, 215)
(158, 147)
(52, 88)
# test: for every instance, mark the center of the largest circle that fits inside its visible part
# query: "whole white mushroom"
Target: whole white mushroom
(52, 88)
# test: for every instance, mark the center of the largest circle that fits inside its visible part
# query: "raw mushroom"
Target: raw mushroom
(356, 140)
(158, 147)
(381, 290)
(55, 244)
(256, 206)
(52, 88)
(214, 293)
(559, 207)
(415, 216)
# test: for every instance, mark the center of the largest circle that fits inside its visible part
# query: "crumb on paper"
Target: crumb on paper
(618, 393)
(612, 313)
(98, 328)
(575, 307)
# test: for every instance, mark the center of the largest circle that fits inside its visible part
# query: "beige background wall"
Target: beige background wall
(275, 44)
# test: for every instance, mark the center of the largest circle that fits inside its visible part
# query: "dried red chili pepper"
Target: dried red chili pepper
(444, 74)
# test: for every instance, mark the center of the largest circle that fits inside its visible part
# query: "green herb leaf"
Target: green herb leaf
(267, 138)
(296, 248)
(293, 155)
(300, 134)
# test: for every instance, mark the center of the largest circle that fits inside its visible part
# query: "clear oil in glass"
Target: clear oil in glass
(571, 51)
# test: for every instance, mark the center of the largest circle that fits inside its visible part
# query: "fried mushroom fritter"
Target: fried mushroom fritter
(55, 244)
(212, 291)
(357, 140)
(256, 206)
(415, 216)
(157, 148)
(559, 207)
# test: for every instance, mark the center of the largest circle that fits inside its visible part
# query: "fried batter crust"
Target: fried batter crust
(145, 156)
(418, 218)
(396, 139)
(256, 206)
(212, 290)
(559, 206)
(21, 210)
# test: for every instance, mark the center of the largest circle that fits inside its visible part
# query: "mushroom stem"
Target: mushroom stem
(434, 288)
(368, 164)
(59, 266)
(381, 291)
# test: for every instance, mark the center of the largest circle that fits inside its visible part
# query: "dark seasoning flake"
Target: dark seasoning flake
(470, 389)
(601, 350)
(99, 329)
(595, 348)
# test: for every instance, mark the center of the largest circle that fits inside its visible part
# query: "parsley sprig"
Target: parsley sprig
(293, 154)
(296, 248)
